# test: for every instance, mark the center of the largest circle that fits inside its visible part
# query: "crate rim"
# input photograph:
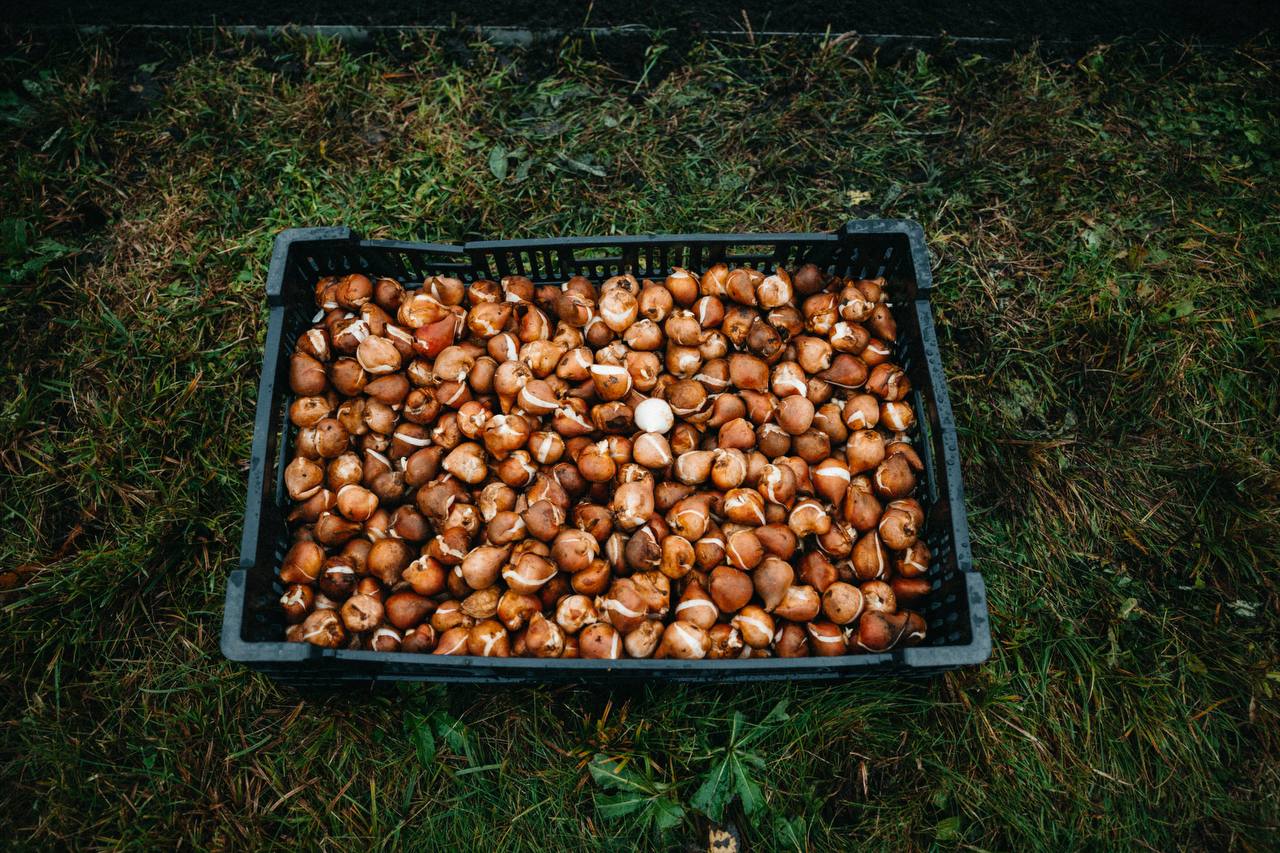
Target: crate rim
(463, 251)
(920, 660)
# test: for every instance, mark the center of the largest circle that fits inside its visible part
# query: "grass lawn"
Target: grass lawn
(1106, 235)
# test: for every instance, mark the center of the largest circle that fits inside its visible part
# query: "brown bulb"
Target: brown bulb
(574, 612)
(914, 561)
(743, 549)
(865, 450)
(869, 559)
(303, 478)
(420, 640)
(772, 578)
(323, 628)
(826, 639)
(879, 597)
(600, 640)
(643, 641)
(515, 609)
(489, 639)
(842, 603)
(726, 642)
(791, 641)
(406, 610)
(879, 632)
(297, 602)
(755, 625)
(544, 638)
(731, 589)
(894, 478)
(361, 613)
(800, 603)
(678, 557)
(697, 607)
(302, 562)
(882, 323)
(817, 571)
(861, 509)
(482, 565)
(808, 280)
(306, 375)
(684, 641)
(332, 529)
(338, 580)
(910, 590)
(897, 529)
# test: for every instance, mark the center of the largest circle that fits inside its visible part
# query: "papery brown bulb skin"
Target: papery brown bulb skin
(826, 639)
(897, 529)
(910, 591)
(684, 641)
(800, 603)
(544, 638)
(419, 640)
(297, 602)
(730, 588)
(600, 641)
(361, 613)
(791, 641)
(406, 610)
(772, 578)
(809, 279)
(489, 639)
(913, 562)
(881, 632)
(861, 509)
(878, 597)
(307, 375)
(642, 642)
(726, 642)
(893, 478)
(696, 607)
(323, 628)
(755, 625)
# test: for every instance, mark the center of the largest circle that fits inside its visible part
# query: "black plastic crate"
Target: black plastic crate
(956, 610)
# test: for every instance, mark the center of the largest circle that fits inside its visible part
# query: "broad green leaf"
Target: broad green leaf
(613, 806)
(716, 790)
(498, 161)
(790, 834)
(777, 714)
(736, 722)
(667, 813)
(948, 829)
(748, 791)
(424, 742)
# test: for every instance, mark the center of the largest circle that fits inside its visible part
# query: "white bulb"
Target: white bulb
(654, 415)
